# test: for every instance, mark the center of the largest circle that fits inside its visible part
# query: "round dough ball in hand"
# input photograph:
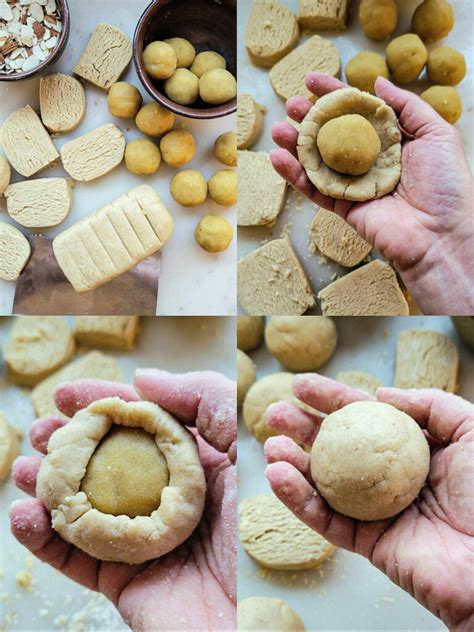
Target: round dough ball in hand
(182, 87)
(378, 18)
(266, 613)
(445, 100)
(159, 60)
(225, 149)
(246, 376)
(124, 100)
(214, 233)
(184, 50)
(217, 86)
(142, 157)
(369, 460)
(349, 144)
(177, 148)
(154, 120)
(206, 61)
(189, 188)
(406, 57)
(223, 187)
(446, 66)
(363, 69)
(433, 20)
(249, 332)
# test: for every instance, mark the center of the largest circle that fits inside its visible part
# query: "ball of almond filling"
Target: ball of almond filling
(159, 60)
(182, 87)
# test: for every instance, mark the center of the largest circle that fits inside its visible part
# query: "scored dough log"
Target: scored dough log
(15, 251)
(249, 121)
(62, 102)
(114, 239)
(265, 613)
(319, 15)
(39, 203)
(337, 240)
(272, 31)
(107, 332)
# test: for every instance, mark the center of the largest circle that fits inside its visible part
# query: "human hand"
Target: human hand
(202, 571)
(428, 549)
(424, 227)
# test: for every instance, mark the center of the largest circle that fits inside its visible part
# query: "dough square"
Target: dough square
(107, 332)
(322, 14)
(337, 240)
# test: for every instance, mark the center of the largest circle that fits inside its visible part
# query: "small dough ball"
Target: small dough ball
(225, 149)
(217, 86)
(433, 20)
(177, 147)
(124, 100)
(246, 376)
(446, 66)
(249, 332)
(214, 233)
(266, 613)
(223, 187)
(349, 144)
(160, 60)
(184, 51)
(445, 100)
(142, 157)
(363, 69)
(406, 57)
(189, 188)
(378, 18)
(154, 120)
(5, 174)
(301, 343)
(369, 460)
(182, 87)
(206, 61)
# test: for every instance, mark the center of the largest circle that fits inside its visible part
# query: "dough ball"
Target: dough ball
(363, 69)
(349, 144)
(115, 485)
(124, 100)
(369, 460)
(446, 66)
(189, 188)
(223, 187)
(177, 148)
(182, 87)
(301, 343)
(406, 57)
(142, 157)
(5, 174)
(206, 61)
(159, 60)
(246, 376)
(217, 86)
(445, 100)
(9, 447)
(433, 20)
(266, 613)
(214, 233)
(249, 332)
(184, 51)
(154, 120)
(378, 18)
(225, 149)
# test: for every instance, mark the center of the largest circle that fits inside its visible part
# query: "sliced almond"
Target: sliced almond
(5, 11)
(36, 12)
(30, 63)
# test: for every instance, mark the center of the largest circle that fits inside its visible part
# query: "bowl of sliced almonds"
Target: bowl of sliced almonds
(33, 34)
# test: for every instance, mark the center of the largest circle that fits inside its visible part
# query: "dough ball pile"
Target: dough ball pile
(406, 57)
(124, 100)
(142, 157)
(378, 18)
(363, 69)
(214, 233)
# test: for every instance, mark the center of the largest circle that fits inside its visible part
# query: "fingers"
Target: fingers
(320, 83)
(298, 107)
(445, 416)
(293, 422)
(42, 429)
(24, 472)
(285, 449)
(325, 394)
(286, 136)
(74, 396)
(204, 399)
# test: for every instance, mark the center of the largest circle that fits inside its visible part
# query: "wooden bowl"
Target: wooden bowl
(56, 53)
(208, 25)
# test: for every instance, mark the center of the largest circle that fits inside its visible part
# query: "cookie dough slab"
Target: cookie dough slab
(40, 203)
(319, 15)
(249, 121)
(107, 332)
(272, 31)
(337, 240)
(62, 103)
(15, 251)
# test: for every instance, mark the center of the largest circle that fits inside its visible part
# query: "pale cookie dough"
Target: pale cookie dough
(37, 346)
(273, 536)
(108, 533)
(9, 447)
(337, 240)
(15, 251)
(301, 343)
(267, 614)
(246, 376)
(272, 31)
(249, 332)
(107, 332)
(369, 460)
(249, 121)
(382, 177)
(39, 203)
(326, 15)
(62, 103)
(426, 359)
(360, 380)
(5, 174)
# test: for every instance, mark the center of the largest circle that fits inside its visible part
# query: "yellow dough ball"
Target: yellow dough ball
(406, 57)
(378, 18)
(225, 149)
(124, 100)
(433, 20)
(204, 62)
(159, 60)
(446, 66)
(154, 120)
(142, 157)
(184, 51)
(189, 188)
(182, 87)
(177, 147)
(445, 100)
(223, 187)
(363, 69)
(217, 86)
(214, 233)
(349, 144)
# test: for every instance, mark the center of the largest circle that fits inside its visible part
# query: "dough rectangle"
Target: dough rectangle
(107, 332)
(322, 14)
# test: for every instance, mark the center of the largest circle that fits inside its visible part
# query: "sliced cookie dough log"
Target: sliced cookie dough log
(320, 16)
(360, 380)
(266, 613)
(107, 332)
(39, 203)
(288, 75)
(337, 240)
(352, 115)
(371, 290)
(426, 359)
(249, 121)
(62, 103)
(15, 250)
(272, 31)
(261, 190)
(271, 280)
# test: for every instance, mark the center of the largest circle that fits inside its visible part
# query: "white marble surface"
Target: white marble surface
(192, 281)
